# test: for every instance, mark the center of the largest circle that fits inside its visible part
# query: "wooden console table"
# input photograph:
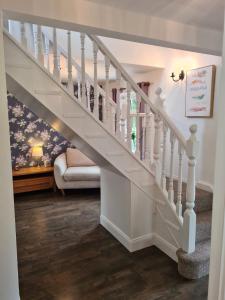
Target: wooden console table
(33, 179)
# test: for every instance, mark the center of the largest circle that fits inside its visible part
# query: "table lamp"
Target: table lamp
(37, 153)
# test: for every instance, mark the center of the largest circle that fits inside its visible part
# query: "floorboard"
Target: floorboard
(65, 254)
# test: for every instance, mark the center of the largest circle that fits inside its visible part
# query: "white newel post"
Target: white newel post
(78, 86)
(179, 187)
(129, 145)
(107, 93)
(23, 34)
(147, 150)
(156, 151)
(96, 96)
(83, 87)
(118, 111)
(56, 69)
(40, 50)
(189, 224)
(88, 86)
(69, 64)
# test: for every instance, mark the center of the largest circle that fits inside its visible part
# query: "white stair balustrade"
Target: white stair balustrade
(128, 138)
(171, 189)
(189, 223)
(138, 101)
(163, 175)
(118, 110)
(148, 138)
(23, 34)
(56, 57)
(96, 95)
(83, 77)
(107, 92)
(179, 184)
(156, 151)
(69, 64)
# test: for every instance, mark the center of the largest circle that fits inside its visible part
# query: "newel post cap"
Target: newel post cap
(192, 143)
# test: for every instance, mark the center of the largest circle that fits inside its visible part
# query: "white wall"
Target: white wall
(9, 289)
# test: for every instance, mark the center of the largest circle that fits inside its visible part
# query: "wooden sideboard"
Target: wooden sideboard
(33, 179)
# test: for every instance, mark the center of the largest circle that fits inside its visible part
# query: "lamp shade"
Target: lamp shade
(37, 151)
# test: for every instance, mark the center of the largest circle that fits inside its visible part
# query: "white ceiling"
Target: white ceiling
(202, 13)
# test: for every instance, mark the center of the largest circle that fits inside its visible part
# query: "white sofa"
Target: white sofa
(76, 177)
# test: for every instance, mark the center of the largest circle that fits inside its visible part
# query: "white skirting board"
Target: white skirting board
(139, 242)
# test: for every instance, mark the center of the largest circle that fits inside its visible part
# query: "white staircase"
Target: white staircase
(34, 78)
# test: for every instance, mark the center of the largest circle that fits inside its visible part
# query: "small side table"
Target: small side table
(33, 179)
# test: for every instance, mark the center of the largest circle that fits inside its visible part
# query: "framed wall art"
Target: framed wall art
(200, 88)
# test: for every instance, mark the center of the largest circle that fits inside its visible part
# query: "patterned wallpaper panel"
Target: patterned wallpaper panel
(25, 125)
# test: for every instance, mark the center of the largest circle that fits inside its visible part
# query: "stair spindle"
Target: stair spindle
(118, 110)
(156, 151)
(88, 86)
(83, 87)
(56, 68)
(128, 117)
(189, 221)
(47, 50)
(107, 92)
(96, 96)
(78, 87)
(69, 64)
(163, 176)
(147, 144)
(40, 52)
(138, 101)
(23, 34)
(171, 190)
(179, 187)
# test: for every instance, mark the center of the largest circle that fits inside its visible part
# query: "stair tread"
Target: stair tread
(203, 226)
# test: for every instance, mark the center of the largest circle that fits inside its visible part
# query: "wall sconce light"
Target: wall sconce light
(181, 76)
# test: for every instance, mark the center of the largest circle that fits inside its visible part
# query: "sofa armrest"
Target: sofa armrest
(60, 167)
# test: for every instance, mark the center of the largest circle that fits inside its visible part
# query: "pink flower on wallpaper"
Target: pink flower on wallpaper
(21, 160)
(18, 111)
(19, 136)
(45, 136)
(56, 149)
(31, 127)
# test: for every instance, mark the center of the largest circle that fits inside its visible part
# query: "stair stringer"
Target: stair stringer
(41, 92)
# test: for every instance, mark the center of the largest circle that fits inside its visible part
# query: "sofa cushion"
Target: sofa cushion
(91, 173)
(75, 158)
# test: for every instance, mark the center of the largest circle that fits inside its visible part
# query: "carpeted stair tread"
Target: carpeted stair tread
(203, 226)
(196, 264)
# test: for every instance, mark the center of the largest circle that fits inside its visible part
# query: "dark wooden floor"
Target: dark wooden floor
(64, 254)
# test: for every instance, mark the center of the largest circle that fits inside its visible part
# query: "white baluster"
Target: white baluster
(88, 86)
(56, 68)
(147, 152)
(128, 117)
(83, 87)
(47, 50)
(69, 64)
(40, 52)
(156, 151)
(179, 187)
(118, 111)
(107, 93)
(138, 101)
(189, 222)
(96, 96)
(163, 176)
(78, 87)
(23, 34)
(171, 190)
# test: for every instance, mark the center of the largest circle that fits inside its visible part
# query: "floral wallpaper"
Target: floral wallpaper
(24, 126)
